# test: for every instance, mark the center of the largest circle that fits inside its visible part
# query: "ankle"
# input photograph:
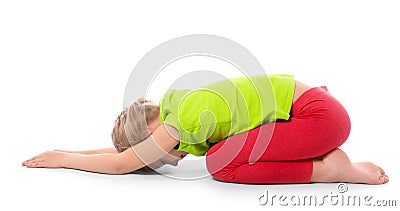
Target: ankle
(324, 173)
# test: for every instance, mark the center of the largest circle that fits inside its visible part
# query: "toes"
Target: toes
(376, 168)
(383, 179)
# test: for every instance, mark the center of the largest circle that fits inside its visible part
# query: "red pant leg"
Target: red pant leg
(319, 124)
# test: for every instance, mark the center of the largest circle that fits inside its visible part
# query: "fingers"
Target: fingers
(35, 164)
(49, 159)
(38, 161)
(34, 161)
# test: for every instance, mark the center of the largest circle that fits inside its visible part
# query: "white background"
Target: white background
(64, 67)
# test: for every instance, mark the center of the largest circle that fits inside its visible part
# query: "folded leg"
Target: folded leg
(318, 124)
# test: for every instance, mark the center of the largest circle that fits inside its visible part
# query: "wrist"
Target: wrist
(66, 159)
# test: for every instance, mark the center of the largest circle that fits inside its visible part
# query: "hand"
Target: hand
(49, 159)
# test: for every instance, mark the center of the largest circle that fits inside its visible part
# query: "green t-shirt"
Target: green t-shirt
(212, 113)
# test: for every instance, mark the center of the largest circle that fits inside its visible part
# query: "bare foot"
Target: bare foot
(335, 166)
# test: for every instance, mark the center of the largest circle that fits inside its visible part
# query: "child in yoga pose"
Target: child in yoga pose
(264, 129)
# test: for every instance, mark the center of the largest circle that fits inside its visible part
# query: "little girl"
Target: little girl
(264, 129)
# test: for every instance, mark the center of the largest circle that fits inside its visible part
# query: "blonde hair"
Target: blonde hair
(130, 127)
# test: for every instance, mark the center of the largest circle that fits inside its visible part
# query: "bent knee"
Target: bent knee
(223, 175)
(216, 168)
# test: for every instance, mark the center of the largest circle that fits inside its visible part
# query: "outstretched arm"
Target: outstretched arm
(146, 152)
(90, 152)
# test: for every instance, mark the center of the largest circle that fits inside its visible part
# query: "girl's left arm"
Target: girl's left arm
(146, 152)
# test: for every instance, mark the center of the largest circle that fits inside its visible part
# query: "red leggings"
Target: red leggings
(318, 124)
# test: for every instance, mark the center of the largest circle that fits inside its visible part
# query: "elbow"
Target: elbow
(124, 164)
(121, 170)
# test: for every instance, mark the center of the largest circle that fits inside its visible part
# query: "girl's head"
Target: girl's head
(135, 124)
(131, 125)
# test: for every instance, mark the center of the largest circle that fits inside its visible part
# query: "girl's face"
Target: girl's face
(172, 158)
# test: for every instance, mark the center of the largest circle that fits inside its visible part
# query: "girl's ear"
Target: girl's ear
(151, 127)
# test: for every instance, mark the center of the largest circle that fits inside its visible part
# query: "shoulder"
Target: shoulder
(172, 131)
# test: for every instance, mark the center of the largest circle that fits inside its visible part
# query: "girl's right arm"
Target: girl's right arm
(91, 152)
(143, 153)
